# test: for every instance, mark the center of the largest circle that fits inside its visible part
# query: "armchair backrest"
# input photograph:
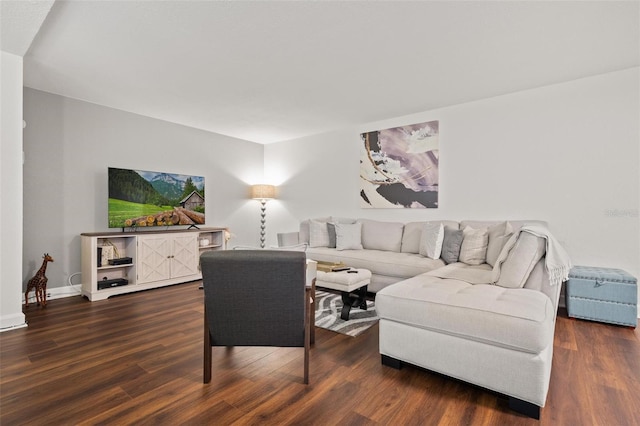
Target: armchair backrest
(255, 297)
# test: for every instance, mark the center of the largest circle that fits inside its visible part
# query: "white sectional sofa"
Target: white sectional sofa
(473, 300)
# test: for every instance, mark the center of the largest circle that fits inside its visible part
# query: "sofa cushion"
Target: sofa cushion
(519, 319)
(379, 262)
(378, 235)
(473, 250)
(498, 236)
(472, 274)
(451, 244)
(411, 236)
(515, 224)
(318, 234)
(519, 255)
(348, 236)
(432, 237)
(340, 219)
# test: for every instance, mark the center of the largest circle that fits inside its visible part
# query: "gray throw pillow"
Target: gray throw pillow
(331, 227)
(451, 245)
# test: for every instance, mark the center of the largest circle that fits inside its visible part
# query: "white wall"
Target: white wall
(11, 191)
(69, 145)
(567, 154)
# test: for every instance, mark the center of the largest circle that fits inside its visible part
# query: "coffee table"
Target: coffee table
(352, 284)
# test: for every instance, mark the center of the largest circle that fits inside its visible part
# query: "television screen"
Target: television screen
(140, 198)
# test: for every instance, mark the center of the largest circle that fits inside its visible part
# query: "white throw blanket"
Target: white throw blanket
(557, 260)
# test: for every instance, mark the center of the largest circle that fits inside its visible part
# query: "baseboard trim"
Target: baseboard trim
(57, 293)
(12, 322)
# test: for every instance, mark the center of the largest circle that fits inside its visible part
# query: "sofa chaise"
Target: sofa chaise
(472, 300)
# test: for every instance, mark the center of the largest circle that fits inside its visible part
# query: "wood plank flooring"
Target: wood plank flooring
(137, 359)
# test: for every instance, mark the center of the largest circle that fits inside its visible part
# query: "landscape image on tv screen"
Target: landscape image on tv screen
(140, 198)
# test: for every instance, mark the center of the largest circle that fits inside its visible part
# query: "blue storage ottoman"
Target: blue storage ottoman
(602, 294)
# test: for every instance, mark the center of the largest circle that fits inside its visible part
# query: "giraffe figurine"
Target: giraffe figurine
(39, 284)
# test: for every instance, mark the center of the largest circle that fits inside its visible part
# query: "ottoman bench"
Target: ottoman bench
(352, 284)
(494, 337)
(602, 294)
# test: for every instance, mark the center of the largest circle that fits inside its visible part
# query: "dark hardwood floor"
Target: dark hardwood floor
(137, 359)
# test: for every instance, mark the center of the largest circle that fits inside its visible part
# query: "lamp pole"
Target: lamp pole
(263, 193)
(263, 221)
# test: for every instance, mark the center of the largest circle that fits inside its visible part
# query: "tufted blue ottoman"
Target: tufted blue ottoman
(602, 294)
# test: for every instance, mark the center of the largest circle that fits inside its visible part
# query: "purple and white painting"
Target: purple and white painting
(399, 167)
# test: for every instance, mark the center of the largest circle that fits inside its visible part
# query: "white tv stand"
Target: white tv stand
(158, 258)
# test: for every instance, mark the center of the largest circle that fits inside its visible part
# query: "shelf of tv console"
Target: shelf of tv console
(134, 244)
(107, 267)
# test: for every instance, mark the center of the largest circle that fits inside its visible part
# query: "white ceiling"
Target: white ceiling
(268, 71)
(20, 22)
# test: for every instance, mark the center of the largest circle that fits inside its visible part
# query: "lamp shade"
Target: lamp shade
(263, 192)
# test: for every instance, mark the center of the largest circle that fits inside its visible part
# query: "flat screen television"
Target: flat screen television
(141, 198)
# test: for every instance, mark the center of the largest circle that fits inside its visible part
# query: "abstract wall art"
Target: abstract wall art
(399, 167)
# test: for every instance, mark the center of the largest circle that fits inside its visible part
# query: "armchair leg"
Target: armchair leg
(307, 333)
(312, 312)
(206, 351)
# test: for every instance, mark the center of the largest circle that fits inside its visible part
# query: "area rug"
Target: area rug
(329, 307)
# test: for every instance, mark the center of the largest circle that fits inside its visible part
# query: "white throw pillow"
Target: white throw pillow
(474, 246)
(318, 234)
(499, 234)
(304, 231)
(348, 236)
(432, 239)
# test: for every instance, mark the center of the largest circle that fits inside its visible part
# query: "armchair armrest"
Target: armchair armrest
(288, 239)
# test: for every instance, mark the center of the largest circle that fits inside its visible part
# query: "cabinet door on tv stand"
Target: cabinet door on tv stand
(154, 261)
(184, 255)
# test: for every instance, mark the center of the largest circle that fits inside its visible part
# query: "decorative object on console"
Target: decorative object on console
(39, 283)
(263, 193)
(399, 167)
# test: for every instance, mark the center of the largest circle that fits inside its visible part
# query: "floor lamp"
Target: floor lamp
(263, 193)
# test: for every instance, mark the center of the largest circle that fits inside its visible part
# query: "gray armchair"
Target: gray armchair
(255, 298)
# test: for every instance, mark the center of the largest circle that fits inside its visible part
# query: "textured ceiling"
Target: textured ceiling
(269, 71)
(20, 22)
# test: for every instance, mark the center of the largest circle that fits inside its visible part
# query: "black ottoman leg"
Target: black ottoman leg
(346, 308)
(363, 297)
